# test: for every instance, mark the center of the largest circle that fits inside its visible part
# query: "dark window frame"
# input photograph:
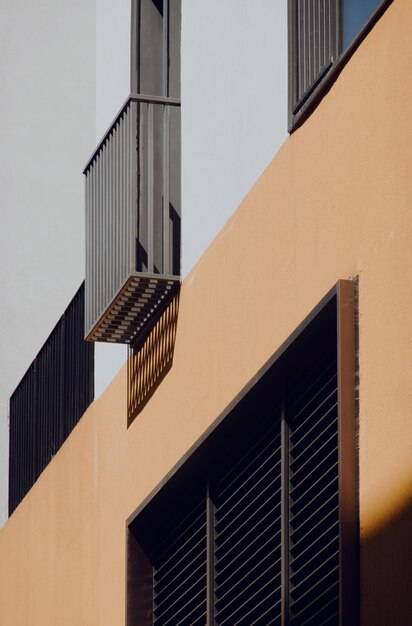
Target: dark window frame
(195, 465)
(299, 110)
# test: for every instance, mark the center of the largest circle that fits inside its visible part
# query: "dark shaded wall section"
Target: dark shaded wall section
(386, 572)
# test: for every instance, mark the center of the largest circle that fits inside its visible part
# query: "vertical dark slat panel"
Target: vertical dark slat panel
(22, 459)
(49, 401)
(65, 400)
(314, 31)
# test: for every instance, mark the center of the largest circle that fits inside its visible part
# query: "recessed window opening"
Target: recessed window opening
(259, 523)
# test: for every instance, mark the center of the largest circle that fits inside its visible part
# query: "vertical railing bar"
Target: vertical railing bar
(99, 240)
(97, 243)
(126, 198)
(112, 214)
(107, 249)
(128, 203)
(150, 187)
(285, 463)
(99, 223)
(114, 217)
(137, 172)
(88, 242)
(91, 244)
(118, 206)
(109, 208)
(115, 226)
(130, 182)
(166, 190)
(134, 193)
(121, 197)
(103, 252)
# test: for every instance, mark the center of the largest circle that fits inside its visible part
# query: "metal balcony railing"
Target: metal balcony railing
(133, 219)
(50, 399)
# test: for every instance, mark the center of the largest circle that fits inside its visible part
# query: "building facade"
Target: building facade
(251, 463)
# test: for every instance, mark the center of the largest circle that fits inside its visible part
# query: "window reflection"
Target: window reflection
(355, 15)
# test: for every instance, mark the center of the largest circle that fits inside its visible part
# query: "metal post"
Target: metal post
(166, 190)
(150, 188)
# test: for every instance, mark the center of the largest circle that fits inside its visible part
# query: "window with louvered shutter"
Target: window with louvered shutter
(258, 527)
(321, 33)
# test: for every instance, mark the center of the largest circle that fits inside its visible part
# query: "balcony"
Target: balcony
(133, 219)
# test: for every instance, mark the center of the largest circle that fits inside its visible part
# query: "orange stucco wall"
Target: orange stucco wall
(336, 202)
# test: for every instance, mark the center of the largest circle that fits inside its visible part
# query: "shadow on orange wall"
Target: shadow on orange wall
(150, 359)
(386, 572)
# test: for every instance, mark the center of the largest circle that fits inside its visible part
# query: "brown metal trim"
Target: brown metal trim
(348, 481)
(139, 575)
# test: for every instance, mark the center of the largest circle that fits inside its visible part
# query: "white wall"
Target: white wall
(47, 131)
(234, 108)
(112, 60)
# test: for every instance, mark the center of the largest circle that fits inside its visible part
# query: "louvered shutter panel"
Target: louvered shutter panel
(247, 500)
(315, 40)
(179, 568)
(272, 537)
(314, 496)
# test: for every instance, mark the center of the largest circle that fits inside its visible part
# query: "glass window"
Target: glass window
(355, 14)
